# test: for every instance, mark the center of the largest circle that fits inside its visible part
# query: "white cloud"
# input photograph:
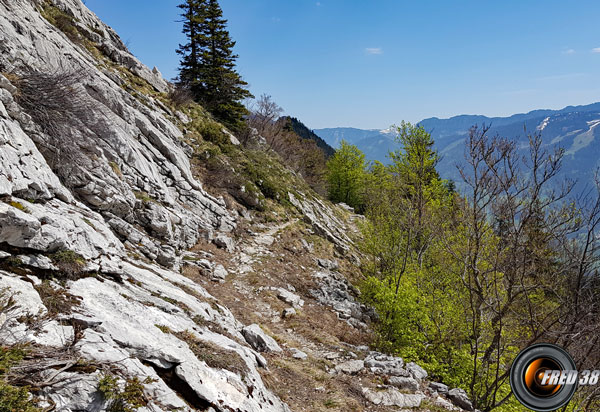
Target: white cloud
(569, 51)
(374, 50)
(596, 50)
(318, 4)
(566, 76)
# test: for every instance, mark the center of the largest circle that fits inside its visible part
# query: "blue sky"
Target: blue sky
(372, 63)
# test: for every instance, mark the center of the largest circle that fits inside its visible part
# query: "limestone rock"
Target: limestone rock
(328, 264)
(416, 371)
(402, 382)
(393, 397)
(381, 364)
(224, 242)
(289, 297)
(298, 354)
(351, 367)
(288, 312)
(439, 387)
(219, 272)
(259, 340)
(459, 398)
(323, 220)
(334, 290)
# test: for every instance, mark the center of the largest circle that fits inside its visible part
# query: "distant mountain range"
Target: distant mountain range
(574, 128)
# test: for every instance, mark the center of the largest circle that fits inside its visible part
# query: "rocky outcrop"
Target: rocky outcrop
(335, 291)
(259, 340)
(129, 194)
(323, 220)
(131, 166)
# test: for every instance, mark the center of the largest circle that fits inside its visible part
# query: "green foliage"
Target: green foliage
(462, 284)
(10, 356)
(212, 132)
(264, 180)
(345, 174)
(13, 398)
(123, 398)
(207, 66)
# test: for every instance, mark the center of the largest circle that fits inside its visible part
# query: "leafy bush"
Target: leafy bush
(265, 181)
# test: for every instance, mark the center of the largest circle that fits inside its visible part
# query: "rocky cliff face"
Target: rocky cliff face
(124, 269)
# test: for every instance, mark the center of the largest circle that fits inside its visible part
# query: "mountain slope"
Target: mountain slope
(304, 132)
(150, 262)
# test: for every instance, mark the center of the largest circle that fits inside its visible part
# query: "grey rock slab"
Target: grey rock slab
(351, 367)
(381, 364)
(393, 397)
(328, 264)
(459, 397)
(402, 382)
(289, 297)
(439, 387)
(298, 354)
(259, 340)
(38, 261)
(443, 403)
(219, 272)
(416, 371)
(323, 220)
(225, 242)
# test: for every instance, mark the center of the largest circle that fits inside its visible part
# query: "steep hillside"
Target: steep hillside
(301, 130)
(150, 262)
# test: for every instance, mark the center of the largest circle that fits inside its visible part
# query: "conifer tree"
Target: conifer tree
(207, 65)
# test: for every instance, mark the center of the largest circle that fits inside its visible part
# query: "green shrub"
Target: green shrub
(212, 132)
(13, 398)
(127, 399)
(265, 181)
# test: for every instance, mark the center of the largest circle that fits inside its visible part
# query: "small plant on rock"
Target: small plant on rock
(123, 398)
(69, 262)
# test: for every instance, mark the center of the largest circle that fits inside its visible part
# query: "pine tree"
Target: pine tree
(207, 65)
(189, 66)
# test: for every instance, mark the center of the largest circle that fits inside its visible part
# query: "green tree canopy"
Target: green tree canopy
(207, 65)
(345, 174)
